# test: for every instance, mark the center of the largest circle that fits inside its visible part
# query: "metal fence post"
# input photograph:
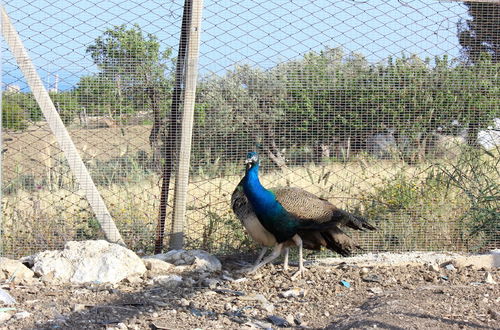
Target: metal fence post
(182, 176)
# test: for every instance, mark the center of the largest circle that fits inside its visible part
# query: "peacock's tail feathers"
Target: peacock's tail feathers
(333, 239)
(354, 221)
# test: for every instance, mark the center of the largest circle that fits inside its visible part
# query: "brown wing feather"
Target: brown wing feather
(304, 205)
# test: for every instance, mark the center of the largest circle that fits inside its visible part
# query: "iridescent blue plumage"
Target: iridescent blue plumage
(291, 216)
(269, 211)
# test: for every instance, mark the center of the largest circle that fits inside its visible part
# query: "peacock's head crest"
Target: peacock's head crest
(252, 159)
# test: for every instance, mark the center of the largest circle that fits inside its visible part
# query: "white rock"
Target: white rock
(4, 317)
(434, 268)
(15, 271)
(268, 307)
(79, 307)
(168, 281)
(184, 302)
(488, 278)
(22, 315)
(376, 290)
(156, 267)
(89, 261)
(295, 292)
(6, 298)
(204, 261)
(364, 271)
(199, 260)
(133, 279)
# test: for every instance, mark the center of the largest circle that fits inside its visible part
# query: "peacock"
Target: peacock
(286, 216)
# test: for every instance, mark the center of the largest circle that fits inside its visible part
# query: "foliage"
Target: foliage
(13, 116)
(414, 212)
(476, 174)
(130, 64)
(336, 99)
(119, 170)
(481, 33)
(66, 104)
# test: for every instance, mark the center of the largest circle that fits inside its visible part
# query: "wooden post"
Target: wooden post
(182, 174)
(61, 134)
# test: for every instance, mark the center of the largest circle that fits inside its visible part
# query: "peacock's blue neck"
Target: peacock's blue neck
(268, 210)
(263, 201)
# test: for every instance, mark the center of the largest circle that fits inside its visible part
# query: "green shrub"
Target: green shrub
(413, 212)
(476, 174)
(13, 116)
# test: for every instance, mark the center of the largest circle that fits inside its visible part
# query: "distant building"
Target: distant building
(55, 87)
(11, 88)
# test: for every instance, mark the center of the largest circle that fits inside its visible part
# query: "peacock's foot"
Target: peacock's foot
(298, 274)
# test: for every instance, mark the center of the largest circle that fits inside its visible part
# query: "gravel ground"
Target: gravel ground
(330, 295)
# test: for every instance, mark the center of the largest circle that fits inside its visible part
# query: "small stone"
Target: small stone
(488, 278)
(121, 326)
(429, 278)
(295, 292)
(290, 319)
(156, 266)
(13, 271)
(376, 290)
(22, 315)
(78, 308)
(5, 316)
(168, 281)
(257, 276)
(494, 314)
(184, 302)
(268, 307)
(298, 318)
(255, 324)
(278, 321)
(433, 268)
(364, 271)
(6, 298)
(189, 282)
(228, 307)
(371, 278)
(254, 297)
(326, 313)
(240, 280)
(133, 279)
(449, 267)
(212, 283)
(228, 278)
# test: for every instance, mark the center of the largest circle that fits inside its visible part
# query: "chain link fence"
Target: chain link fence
(386, 108)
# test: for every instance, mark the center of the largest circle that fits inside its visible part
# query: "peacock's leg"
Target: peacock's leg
(301, 270)
(261, 254)
(275, 254)
(285, 259)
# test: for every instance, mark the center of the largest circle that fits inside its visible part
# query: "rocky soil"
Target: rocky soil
(331, 295)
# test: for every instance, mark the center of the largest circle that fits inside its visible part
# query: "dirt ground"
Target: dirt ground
(337, 296)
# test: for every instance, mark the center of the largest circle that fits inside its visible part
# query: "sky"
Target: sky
(257, 32)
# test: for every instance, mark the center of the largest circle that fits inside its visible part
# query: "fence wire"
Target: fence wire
(387, 108)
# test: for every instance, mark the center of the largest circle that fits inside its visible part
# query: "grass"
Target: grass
(431, 206)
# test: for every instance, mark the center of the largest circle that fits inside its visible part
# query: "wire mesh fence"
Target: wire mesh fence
(389, 109)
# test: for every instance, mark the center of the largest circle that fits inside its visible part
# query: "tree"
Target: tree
(481, 33)
(133, 62)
